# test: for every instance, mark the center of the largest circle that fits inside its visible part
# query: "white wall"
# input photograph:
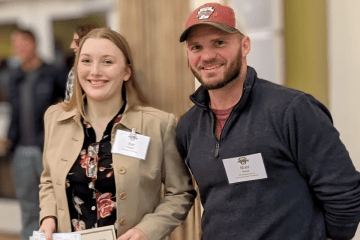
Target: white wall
(264, 23)
(344, 73)
(39, 14)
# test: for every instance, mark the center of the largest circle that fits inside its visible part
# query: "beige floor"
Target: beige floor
(9, 237)
(7, 188)
(7, 193)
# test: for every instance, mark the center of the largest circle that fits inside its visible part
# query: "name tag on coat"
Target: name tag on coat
(130, 144)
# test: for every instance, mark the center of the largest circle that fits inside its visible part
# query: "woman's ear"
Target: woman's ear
(128, 73)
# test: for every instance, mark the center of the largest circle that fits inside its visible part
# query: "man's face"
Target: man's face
(23, 46)
(215, 56)
(75, 43)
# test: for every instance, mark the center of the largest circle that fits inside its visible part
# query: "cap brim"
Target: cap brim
(223, 27)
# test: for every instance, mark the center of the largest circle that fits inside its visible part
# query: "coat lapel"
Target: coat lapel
(72, 142)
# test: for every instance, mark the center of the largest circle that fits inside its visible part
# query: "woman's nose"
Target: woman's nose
(95, 69)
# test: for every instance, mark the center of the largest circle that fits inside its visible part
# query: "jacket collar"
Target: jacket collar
(201, 97)
(74, 113)
(132, 117)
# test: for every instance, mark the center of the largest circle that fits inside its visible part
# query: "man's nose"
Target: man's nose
(208, 54)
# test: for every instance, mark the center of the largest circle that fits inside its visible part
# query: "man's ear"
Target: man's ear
(245, 45)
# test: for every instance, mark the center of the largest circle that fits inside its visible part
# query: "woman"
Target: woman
(80, 32)
(91, 177)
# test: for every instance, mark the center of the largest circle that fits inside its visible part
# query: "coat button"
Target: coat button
(123, 195)
(122, 170)
(122, 222)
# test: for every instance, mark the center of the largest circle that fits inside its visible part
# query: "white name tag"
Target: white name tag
(130, 144)
(56, 236)
(245, 168)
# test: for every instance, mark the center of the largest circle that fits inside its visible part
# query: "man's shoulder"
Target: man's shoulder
(275, 88)
(188, 119)
(276, 94)
(279, 99)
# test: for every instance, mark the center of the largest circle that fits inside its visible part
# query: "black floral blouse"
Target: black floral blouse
(90, 183)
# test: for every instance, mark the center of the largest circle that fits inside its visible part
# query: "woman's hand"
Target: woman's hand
(48, 226)
(133, 234)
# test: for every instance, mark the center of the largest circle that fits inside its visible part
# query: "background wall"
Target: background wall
(306, 47)
(153, 29)
(344, 74)
(39, 15)
(263, 22)
(312, 45)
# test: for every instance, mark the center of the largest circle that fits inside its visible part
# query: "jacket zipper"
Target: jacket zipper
(217, 146)
(217, 149)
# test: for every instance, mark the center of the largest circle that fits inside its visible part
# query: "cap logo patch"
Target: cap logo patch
(205, 13)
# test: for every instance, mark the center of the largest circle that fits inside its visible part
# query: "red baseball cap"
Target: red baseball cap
(213, 14)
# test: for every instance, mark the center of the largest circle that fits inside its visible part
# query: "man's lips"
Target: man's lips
(211, 67)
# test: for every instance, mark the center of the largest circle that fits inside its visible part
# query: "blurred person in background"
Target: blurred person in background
(4, 82)
(80, 32)
(110, 174)
(5, 109)
(34, 86)
(267, 159)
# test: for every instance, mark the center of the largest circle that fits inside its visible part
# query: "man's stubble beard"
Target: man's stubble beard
(230, 75)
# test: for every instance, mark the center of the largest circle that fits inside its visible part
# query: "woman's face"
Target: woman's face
(75, 43)
(102, 69)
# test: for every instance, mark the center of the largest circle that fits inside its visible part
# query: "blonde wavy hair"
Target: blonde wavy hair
(131, 91)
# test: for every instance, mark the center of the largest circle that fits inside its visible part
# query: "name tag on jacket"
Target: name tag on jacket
(245, 168)
(130, 144)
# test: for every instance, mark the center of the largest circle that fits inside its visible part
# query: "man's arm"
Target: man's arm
(324, 162)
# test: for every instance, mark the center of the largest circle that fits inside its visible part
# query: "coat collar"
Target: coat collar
(74, 113)
(132, 117)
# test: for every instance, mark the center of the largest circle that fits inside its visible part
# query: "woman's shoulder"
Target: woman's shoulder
(57, 112)
(154, 113)
(54, 110)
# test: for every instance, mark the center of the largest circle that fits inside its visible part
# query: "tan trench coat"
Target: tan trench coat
(138, 182)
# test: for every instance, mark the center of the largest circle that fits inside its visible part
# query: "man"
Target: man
(33, 88)
(80, 32)
(268, 162)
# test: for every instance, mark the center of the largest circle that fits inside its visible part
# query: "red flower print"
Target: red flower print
(85, 161)
(105, 204)
(77, 228)
(118, 119)
(87, 124)
(110, 174)
(78, 225)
